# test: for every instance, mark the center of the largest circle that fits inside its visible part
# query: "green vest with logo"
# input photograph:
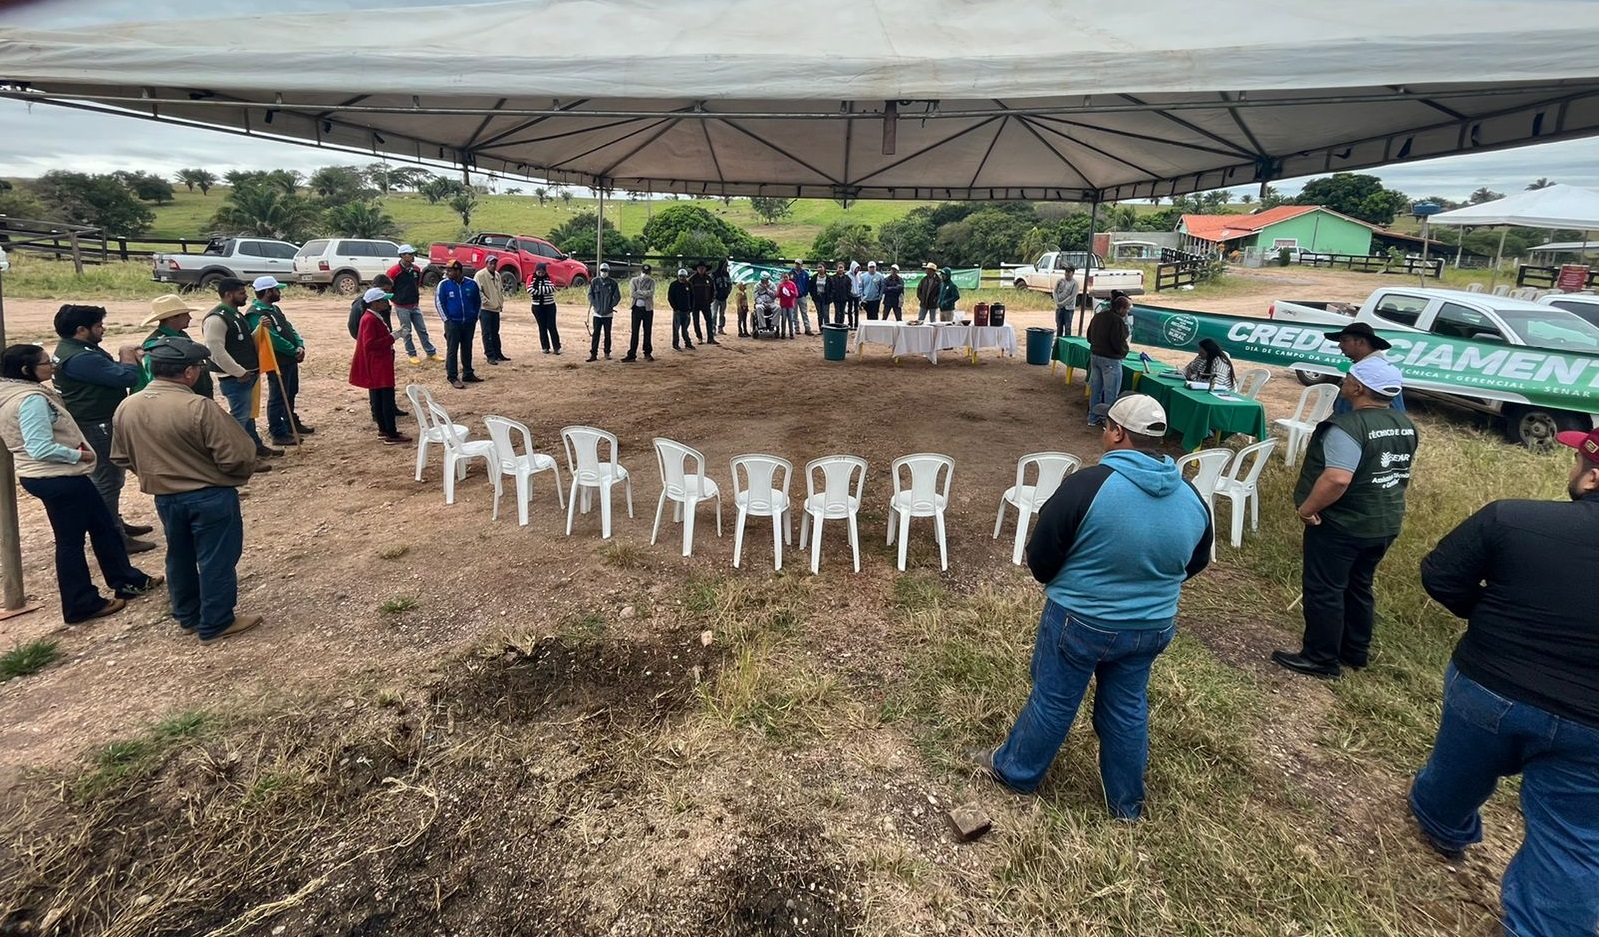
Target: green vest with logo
(1374, 504)
(240, 343)
(88, 403)
(202, 385)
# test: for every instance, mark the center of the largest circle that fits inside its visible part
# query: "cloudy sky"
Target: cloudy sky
(36, 139)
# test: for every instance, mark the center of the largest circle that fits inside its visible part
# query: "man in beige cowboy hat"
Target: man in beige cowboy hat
(170, 315)
(927, 294)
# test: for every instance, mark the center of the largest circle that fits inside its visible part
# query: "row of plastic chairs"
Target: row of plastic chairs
(1529, 293)
(1234, 476)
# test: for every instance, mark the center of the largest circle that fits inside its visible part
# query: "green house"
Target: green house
(1308, 228)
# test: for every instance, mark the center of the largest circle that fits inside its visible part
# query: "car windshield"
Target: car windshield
(1552, 328)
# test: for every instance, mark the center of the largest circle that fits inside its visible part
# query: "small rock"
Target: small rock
(142, 901)
(279, 929)
(706, 637)
(349, 704)
(970, 822)
(628, 612)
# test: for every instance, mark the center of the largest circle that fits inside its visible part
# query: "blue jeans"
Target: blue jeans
(281, 392)
(410, 319)
(239, 392)
(1551, 887)
(76, 511)
(1067, 655)
(1104, 383)
(205, 538)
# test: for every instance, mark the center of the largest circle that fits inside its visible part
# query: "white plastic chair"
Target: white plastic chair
(427, 431)
(685, 489)
(758, 492)
(1250, 383)
(1209, 463)
(1050, 469)
(590, 475)
(1526, 293)
(1502, 290)
(519, 465)
(1239, 486)
(458, 451)
(1315, 404)
(925, 497)
(839, 499)
(1474, 288)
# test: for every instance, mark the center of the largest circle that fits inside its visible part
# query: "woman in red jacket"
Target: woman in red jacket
(373, 364)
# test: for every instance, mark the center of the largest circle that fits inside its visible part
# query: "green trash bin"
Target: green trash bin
(835, 342)
(1039, 345)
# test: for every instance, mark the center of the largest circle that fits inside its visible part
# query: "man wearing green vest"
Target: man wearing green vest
(227, 334)
(289, 348)
(1351, 497)
(92, 383)
(171, 316)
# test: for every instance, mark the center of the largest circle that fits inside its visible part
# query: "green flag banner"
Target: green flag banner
(1490, 370)
(967, 278)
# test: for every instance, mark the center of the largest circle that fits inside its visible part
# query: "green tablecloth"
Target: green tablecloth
(1072, 351)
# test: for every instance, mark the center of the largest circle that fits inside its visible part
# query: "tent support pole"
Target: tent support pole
(1093, 223)
(599, 229)
(1499, 256)
(10, 533)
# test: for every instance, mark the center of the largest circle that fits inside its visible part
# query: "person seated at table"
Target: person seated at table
(1210, 366)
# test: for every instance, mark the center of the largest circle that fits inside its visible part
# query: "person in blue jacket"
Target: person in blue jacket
(1114, 545)
(802, 282)
(458, 302)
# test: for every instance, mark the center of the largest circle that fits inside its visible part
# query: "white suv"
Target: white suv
(346, 264)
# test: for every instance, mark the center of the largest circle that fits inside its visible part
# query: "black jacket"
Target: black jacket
(838, 287)
(677, 296)
(1107, 335)
(1525, 576)
(702, 290)
(724, 285)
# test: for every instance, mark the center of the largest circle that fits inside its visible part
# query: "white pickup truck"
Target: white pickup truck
(1478, 316)
(1096, 279)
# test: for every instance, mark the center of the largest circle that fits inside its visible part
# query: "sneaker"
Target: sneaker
(458, 385)
(133, 545)
(111, 607)
(494, 361)
(433, 356)
(607, 356)
(472, 379)
(648, 356)
(267, 452)
(136, 530)
(546, 351)
(241, 624)
(557, 351)
(415, 360)
(151, 583)
(285, 441)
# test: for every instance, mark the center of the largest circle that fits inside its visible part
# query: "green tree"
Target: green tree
(576, 237)
(542, 194)
(464, 204)
(696, 245)
(845, 240)
(771, 210)
(1036, 242)
(987, 236)
(1484, 194)
(21, 203)
(337, 185)
(1542, 182)
(265, 210)
(98, 200)
(286, 181)
(1272, 198)
(360, 220)
(1357, 195)
(566, 196)
(662, 231)
(438, 189)
(907, 239)
(189, 178)
(147, 187)
(1246, 199)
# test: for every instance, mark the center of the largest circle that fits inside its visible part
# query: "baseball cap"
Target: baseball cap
(681, 272)
(893, 266)
(374, 294)
(165, 307)
(605, 268)
(1136, 413)
(1585, 443)
(871, 264)
(266, 283)
(228, 285)
(645, 268)
(491, 259)
(407, 249)
(178, 350)
(766, 274)
(1376, 373)
(1361, 330)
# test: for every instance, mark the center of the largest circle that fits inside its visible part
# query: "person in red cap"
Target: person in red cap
(1521, 696)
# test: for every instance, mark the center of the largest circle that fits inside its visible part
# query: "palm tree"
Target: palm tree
(1246, 198)
(541, 193)
(360, 220)
(266, 211)
(190, 178)
(566, 196)
(1542, 182)
(464, 204)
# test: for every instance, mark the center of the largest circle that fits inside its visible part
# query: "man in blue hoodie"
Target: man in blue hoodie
(459, 303)
(1114, 545)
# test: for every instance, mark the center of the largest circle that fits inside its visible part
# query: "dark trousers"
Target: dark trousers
(108, 476)
(282, 389)
(709, 315)
(549, 334)
(696, 316)
(643, 322)
(205, 538)
(841, 312)
(489, 322)
(75, 511)
(458, 347)
(1063, 321)
(871, 308)
(853, 307)
(680, 321)
(1340, 609)
(744, 320)
(383, 409)
(601, 326)
(892, 303)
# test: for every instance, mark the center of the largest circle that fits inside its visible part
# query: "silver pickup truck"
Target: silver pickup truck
(1478, 316)
(240, 257)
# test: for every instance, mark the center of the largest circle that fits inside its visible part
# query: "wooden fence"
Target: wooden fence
(1373, 263)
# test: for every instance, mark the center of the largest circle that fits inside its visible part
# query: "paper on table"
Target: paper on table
(1226, 396)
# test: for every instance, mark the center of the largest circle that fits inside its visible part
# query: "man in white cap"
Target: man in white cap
(681, 299)
(1351, 497)
(871, 288)
(604, 297)
(487, 279)
(1113, 547)
(893, 293)
(171, 316)
(405, 278)
(283, 421)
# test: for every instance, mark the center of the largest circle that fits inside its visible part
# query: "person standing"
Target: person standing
(604, 297)
(894, 294)
(1358, 342)
(458, 302)
(1107, 346)
(91, 384)
(871, 290)
(406, 278)
(488, 286)
(680, 298)
(372, 365)
(741, 298)
(234, 356)
(802, 283)
(283, 421)
(787, 297)
(192, 459)
(358, 304)
(854, 307)
(53, 462)
(840, 291)
(1351, 498)
(641, 293)
(927, 293)
(1113, 547)
(541, 289)
(722, 280)
(1521, 696)
(171, 317)
(1065, 293)
(820, 294)
(948, 294)
(702, 290)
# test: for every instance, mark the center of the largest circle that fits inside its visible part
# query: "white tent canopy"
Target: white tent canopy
(942, 99)
(1554, 206)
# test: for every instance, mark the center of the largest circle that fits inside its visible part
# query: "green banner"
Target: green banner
(967, 278)
(1490, 370)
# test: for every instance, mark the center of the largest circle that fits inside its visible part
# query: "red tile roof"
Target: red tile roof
(1217, 228)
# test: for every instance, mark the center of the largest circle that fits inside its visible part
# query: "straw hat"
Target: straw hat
(165, 307)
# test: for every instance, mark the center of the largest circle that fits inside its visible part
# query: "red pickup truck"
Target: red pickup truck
(518, 254)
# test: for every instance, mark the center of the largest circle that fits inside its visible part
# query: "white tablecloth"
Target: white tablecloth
(904, 338)
(1002, 337)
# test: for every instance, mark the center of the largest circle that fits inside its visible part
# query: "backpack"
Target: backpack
(356, 308)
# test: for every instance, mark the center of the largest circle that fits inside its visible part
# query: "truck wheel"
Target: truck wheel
(578, 281)
(209, 282)
(346, 283)
(1311, 380)
(1020, 284)
(510, 280)
(431, 278)
(1536, 427)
